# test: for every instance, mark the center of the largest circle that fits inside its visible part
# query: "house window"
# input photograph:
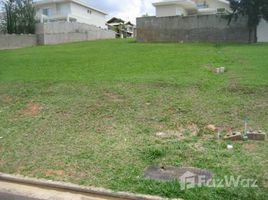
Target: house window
(89, 11)
(46, 11)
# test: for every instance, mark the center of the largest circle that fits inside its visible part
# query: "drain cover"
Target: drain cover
(178, 173)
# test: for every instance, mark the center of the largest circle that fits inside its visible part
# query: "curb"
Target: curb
(75, 188)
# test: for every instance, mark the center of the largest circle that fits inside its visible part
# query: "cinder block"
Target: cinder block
(256, 136)
(234, 136)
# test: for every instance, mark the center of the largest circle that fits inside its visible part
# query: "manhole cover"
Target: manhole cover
(178, 173)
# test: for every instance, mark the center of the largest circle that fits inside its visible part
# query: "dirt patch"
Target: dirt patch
(240, 89)
(52, 172)
(250, 146)
(31, 109)
(181, 133)
(158, 126)
(198, 146)
(214, 128)
(114, 97)
(5, 98)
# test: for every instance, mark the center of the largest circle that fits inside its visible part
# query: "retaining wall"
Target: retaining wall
(11, 41)
(64, 32)
(199, 28)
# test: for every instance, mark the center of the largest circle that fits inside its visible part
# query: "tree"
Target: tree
(10, 16)
(19, 16)
(254, 10)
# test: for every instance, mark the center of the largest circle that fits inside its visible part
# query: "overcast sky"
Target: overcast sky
(125, 9)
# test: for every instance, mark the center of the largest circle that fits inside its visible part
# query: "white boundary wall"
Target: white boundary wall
(262, 32)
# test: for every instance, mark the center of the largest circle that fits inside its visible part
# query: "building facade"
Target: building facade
(167, 8)
(69, 11)
(123, 29)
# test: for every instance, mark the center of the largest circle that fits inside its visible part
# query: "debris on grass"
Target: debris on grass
(230, 147)
(220, 70)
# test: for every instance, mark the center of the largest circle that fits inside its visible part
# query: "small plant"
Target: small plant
(153, 153)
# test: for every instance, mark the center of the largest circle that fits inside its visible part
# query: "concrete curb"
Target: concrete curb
(75, 188)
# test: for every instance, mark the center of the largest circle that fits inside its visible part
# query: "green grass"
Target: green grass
(89, 112)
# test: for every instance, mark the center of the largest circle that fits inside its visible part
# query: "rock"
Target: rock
(230, 147)
(234, 136)
(211, 127)
(161, 134)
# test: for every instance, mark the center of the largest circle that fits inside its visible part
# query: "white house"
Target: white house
(123, 29)
(166, 8)
(70, 11)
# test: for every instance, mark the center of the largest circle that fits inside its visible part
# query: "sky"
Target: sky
(126, 9)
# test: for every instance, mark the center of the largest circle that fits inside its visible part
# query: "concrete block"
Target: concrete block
(234, 136)
(256, 136)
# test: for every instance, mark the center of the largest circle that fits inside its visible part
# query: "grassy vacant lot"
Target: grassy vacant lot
(89, 113)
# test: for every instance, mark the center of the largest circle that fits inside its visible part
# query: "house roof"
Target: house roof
(129, 23)
(80, 2)
(115, 20)
(118, 21)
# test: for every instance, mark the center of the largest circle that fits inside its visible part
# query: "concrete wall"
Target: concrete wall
(17, 41)
(262, 32)
(64, 32)
(204, 28)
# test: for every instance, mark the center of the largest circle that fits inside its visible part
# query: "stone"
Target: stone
(211, 127)
(234, 136)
